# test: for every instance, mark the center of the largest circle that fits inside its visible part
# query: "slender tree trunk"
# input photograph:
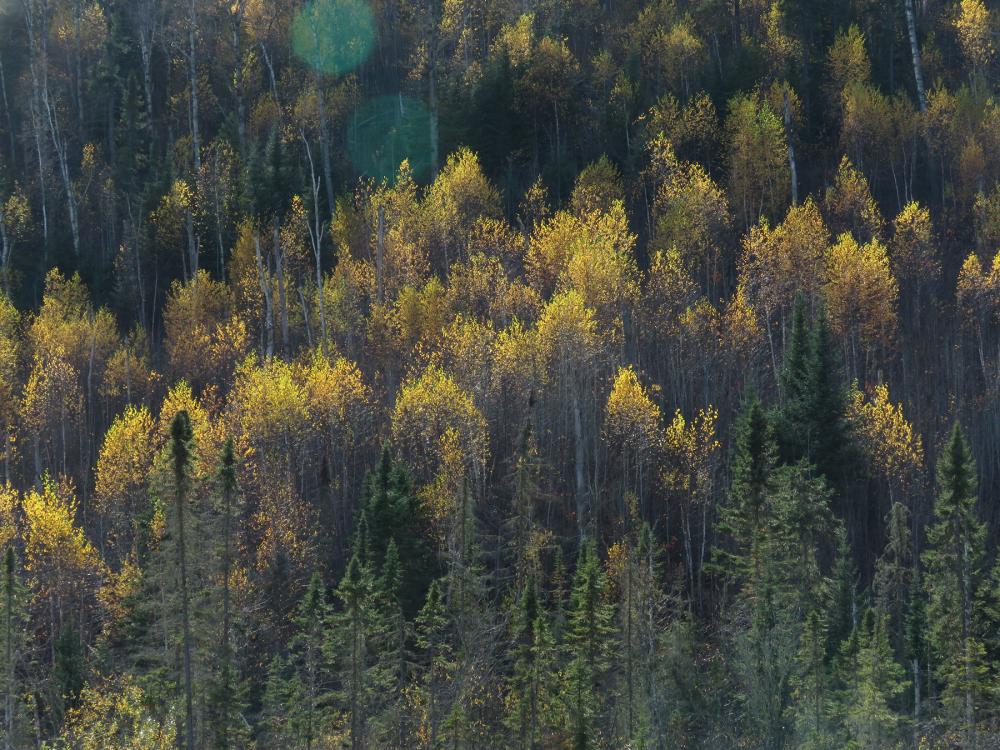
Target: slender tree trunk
(918, 75)
(185, 617)
(265, 288)
(193, 78)
(791, 150)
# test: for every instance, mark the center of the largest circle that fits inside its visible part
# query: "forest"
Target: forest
(487, 374)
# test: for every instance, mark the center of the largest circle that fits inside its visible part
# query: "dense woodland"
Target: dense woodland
(486, 374)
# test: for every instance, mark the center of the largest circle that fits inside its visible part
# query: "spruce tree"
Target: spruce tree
(954, 581)
(225, 704)
(309, 661)
(812, 689)
(812, 420)
(181, 436)
(533, 656)
(875, 683)
(392, 512)
(350, 640)
(590, 628)
(743, 517)
(392, 641)
(436, 663)
(13, 614)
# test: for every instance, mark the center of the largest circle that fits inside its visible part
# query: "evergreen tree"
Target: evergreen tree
(392, 639)
(14, 616)
(812, 689)
(742, 519)
(589, 630)
(180, 447)
(534, 659)
(393, 513)
(917, 646)
(842, 596)
(225, 696)
(954, 580)
(436, 664)
(309, 661)
(875, 683)
(349, 644)
(813, 422)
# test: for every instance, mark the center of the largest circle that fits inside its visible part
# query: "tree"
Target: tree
(13, 612)
(813, 418)
(588, 641)
(759, 178)
(533, 653)
(861, 297)
(812, 693)
(180, 448)
(743, 517)
(875, 683)
(954, 574)
(309, 659)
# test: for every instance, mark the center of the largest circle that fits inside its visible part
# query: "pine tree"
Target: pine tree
(393, 636)
(954, 577)
(350, 640)
(13, 600)
(533, 655)
(795, 371)
(309, 660)
(437, 657)
(589, 631)
(181, 436)
(875, 683)
(743, 518)
(917, 646)
(812, 420)
(812, 692)
(392, 512)
(281, 706)
(841, 595)
(225, 700)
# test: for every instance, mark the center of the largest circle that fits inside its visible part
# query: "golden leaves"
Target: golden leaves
(125, 460)
(892, 446)
(632, 421)
(861, 292)
(427, 407)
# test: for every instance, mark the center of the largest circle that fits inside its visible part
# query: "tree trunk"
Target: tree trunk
(185, 619)
(918, 75)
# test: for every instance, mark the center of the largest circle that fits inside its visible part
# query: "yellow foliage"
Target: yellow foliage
(337, 397)
(689, 448)
(428, 406)
(669, 291)
(68, 327)
(778, 263)
(850, 206)
(9, 508)
(203, 340)
(914, 255)
(892, 447)
(861, 292)
(111, 714)
(567, 334)
(125, 459)
(975, 33)
(268, 407)
(57, 554)
(632, 422)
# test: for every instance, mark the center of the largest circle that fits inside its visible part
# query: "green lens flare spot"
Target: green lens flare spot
(385, 131)
(333, 36)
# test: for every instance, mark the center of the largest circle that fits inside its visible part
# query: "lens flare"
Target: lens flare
(385, 131)
(333, 36)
